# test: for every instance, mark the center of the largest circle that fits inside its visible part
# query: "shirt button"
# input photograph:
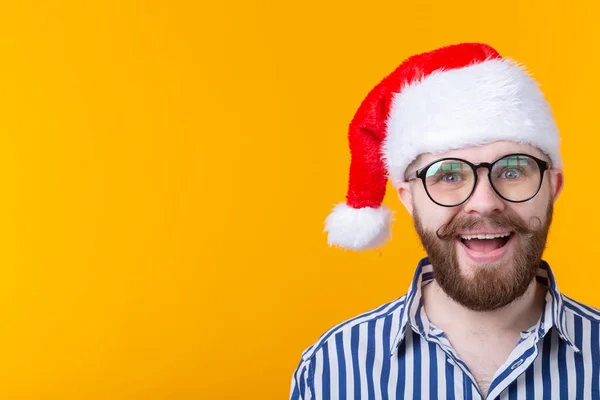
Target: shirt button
(516, 363)
(525, 335)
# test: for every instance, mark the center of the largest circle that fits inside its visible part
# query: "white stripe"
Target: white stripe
(504, 395)
(308, 395)
(571, 372)
(393, 362)
(475, 392)
(318, 381)
(586, 349)
(362, 360)
(349, 364)
(521, 393)
(555, 377)
(424, 369)
(459, 384)
(333, 369)
(537, 369)
(381, 350)
(441, 373)
(408, 359)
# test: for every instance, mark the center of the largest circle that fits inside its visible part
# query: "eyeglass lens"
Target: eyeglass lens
(450, 182)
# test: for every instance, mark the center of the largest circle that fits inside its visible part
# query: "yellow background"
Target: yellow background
(167, 166)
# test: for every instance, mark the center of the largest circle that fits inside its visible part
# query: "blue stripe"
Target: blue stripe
(546, 378)
(563, 377)
(302, 384)
(595, 341)
(418, 319)
(326, 386)
(529, 384)
(339, 345)
(385, 367)
(370, 359)
(433, 371)
(401, 384)
(295, 395)
(467, 387)
(413, 291)
(416, 364)
(540, 331)
(354, 346)
(513, 391)
(449, 381)
(553, 307)
(579, 374)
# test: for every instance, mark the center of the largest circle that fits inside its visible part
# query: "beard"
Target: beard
(494, 285)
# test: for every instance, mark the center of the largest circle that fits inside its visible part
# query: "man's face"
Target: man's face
(483, 274)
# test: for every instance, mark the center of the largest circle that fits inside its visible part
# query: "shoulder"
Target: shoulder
(383, 322)
(578, 309)
(391, 309)
(583, 325)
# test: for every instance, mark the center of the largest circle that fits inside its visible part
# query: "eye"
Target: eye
(451, 177)
(511, 173)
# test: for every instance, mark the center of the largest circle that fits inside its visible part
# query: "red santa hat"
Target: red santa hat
(453, 97)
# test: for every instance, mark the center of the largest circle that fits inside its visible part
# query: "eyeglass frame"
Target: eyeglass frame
(421, 173)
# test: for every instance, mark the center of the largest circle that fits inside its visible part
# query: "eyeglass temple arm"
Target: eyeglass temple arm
(412, 176)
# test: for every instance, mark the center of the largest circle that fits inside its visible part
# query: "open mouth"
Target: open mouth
(485, 242)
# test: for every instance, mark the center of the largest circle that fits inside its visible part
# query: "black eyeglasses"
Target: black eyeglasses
(449, 182)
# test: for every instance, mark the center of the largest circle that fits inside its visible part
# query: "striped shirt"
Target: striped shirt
(394, 352)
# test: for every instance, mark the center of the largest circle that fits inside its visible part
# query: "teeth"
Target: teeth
(485, 236)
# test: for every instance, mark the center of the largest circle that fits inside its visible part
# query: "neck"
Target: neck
(519, 315)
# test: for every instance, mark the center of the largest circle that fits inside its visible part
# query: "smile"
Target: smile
(485, 246)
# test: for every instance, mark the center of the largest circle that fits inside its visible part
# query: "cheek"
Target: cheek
(546, 192)
(534, 208)
(538, 205)
(431, 215)
(420, 198)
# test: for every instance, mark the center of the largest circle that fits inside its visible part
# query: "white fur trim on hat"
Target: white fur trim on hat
(482, 103)
(358, 228)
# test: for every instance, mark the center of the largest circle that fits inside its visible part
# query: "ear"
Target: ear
(556, 182)
(405, 194)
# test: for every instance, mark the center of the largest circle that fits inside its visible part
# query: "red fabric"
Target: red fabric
(367, 130)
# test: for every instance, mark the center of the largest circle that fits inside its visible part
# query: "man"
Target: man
(470, 144)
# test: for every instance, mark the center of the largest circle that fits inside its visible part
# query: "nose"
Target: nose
(484, 199)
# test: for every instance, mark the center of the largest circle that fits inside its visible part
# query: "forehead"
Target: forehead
(483, 153)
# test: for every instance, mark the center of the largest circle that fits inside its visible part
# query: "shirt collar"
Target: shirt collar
(413, 314)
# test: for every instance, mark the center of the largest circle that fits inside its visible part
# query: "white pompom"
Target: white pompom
(358, 228)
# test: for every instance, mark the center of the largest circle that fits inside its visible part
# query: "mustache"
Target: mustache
(506, 220)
